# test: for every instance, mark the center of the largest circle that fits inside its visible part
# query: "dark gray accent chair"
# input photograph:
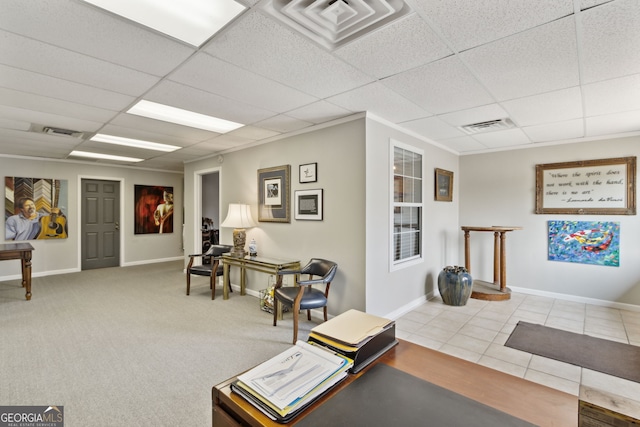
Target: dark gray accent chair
(206, 269)
(304, 296)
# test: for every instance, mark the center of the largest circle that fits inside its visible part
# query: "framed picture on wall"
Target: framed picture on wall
(444, 185)
(273, 194)
(308, 205)
(308, 173)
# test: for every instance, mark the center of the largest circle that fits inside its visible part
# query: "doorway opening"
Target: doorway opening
(207, 210)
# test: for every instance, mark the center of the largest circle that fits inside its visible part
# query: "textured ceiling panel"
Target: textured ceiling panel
(535, 61)
(557, 106)
(466, 24)
(395, 48)
(228, 80)
(611, 36)
(265, 47)
(440, 87)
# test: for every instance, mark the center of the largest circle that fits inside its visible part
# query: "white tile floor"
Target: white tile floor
(477, 332)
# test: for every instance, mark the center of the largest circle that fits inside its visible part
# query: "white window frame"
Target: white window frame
(415, 259)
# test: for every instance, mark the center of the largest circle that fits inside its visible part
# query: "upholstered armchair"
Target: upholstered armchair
(212, 269)
(304, 296)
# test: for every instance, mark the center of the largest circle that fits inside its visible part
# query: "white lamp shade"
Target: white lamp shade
(239, 216)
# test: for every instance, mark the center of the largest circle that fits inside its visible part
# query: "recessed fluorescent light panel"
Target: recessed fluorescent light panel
(104, 156)
(192, 21)
(137, 143)
(179, 116)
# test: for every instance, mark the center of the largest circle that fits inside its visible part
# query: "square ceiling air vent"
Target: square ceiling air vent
(488, 126)
(62, 132)
(333, 23)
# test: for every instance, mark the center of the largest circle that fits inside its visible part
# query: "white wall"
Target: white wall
(339, 153)
(390, 293)
(62, 256)
(499, 189)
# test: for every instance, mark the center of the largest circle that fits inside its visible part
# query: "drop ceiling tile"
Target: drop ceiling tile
(539, 60)
(260, 44)
(31, 55)
(283, 124)
(558, 131)
(46, 143)
(27, 101)
(394, 48)
(433, 128)
(503, 138)
(213, 75)
(587, 4)
(253, 133)
(613, 123)
(557, 106)
(440, 87)
(48, 119)
(611, 35)
(91, 31)
(199, 101)
(463, 144)
(27, 81)
(380, 100)
(480, 114)
(319, 112)
(162, 164)
(14, 124)
(472, 23)
(612, 96)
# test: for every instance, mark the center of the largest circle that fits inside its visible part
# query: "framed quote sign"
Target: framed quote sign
(596, 187)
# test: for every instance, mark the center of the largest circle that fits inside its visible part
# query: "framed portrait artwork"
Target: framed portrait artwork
(308, 173)
(444, 185)
(308, 205)
(273, 194)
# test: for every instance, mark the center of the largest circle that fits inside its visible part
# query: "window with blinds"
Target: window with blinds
(407, 203)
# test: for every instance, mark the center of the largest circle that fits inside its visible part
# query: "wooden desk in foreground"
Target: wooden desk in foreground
(529, 401)
(21, 251)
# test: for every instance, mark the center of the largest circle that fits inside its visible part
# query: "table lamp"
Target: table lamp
(239, 218)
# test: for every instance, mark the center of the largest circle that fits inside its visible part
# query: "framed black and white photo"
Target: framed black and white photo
(308, 205)
(308, 173)
(273, 194)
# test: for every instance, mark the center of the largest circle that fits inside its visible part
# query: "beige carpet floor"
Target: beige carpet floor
(127, 347)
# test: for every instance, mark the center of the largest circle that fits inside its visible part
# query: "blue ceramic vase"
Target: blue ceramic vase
(454, 284)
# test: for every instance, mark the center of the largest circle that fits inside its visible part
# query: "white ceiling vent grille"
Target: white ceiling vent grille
(62, 132)
(488, 126)
(333, 23)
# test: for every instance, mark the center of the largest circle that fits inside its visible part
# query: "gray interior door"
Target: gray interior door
(100, 224)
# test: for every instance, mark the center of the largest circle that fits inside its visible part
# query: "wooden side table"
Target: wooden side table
(21, 251)
(486, 290)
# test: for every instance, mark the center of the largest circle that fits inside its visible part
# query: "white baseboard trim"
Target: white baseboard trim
(151, 261)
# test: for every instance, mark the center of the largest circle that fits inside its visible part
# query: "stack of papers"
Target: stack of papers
(352, 328)
(285, 384)
(359, 336)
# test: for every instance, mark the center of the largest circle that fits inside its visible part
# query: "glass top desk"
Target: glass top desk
(256, 263)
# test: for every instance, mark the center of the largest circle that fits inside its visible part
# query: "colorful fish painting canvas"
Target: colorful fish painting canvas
(586, 242)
